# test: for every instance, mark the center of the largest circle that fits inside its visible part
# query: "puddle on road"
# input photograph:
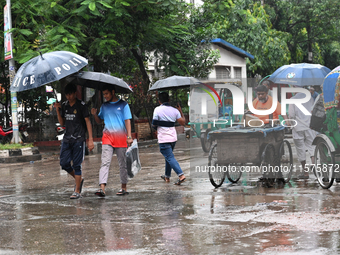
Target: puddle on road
(37, 216)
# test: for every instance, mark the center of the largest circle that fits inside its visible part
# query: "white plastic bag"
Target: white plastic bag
(132, 159)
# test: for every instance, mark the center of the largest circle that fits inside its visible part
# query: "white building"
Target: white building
(231, 65)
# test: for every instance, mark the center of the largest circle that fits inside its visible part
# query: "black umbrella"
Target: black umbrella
(47, 68)
(98, 80)
(174, 82)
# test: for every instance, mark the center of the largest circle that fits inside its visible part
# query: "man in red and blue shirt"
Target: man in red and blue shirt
(116, 137)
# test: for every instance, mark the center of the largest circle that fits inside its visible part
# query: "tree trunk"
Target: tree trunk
(142, 69)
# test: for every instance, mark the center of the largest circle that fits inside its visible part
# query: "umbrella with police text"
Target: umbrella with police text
(46, 68)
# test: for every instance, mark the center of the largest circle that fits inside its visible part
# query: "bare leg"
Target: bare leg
(102, 186)
(124, 186)
(78, 181)
(305, 173)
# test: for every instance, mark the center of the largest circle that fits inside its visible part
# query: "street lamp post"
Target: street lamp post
(11, 63)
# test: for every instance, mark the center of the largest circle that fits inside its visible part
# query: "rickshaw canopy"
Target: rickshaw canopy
(331, 88)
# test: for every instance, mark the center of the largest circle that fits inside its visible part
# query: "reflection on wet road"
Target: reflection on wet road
(37, 216)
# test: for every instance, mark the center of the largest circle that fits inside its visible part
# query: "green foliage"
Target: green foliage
(122, 36)
(311, 25)
(246, 25)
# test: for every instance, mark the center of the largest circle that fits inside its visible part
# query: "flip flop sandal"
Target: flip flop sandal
(75, 195)
(122, 192)
(166, 179)
(179, 181)
(100, 193)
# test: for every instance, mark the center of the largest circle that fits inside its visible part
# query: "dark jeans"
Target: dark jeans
(170, 161)
(72, 152)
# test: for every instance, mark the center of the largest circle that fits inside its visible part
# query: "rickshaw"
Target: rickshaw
(239, 149)
(327, 151)
(211, 112)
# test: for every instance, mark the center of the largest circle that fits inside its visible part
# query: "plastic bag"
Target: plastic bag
(132, 159)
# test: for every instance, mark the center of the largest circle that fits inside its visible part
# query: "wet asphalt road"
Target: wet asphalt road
(37, 216)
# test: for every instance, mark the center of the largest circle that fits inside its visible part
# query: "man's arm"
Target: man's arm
(128, 129)
(181, 120)
(61, 120)
(89, 130)
(96, 118)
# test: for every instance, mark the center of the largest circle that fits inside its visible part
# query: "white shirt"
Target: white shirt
(295, 113)
(166, 113)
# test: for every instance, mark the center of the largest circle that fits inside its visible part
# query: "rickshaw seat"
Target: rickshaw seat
(238, 129)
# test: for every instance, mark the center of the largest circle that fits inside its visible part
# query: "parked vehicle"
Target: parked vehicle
(23, 132)
(263, 148)
(6, 134)
(60, 132)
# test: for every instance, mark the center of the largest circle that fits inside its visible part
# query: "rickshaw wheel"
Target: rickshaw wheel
(324, 164)
(206, 144)
(285, 161)
(233, 173)
(267, 164)
(216, 176)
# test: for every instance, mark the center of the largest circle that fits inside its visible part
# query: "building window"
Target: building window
(222, 72)
(238, 72)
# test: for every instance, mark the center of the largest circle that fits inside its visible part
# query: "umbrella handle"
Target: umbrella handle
(55, 95)
(41, 55)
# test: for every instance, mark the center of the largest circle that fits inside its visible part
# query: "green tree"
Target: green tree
(311, 25)
(245, 24)
(117, 36)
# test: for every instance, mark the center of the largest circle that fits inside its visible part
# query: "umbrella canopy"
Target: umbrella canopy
(174, 82)
(98, 80)
(300, 75)
(331, 88)
(47, 68)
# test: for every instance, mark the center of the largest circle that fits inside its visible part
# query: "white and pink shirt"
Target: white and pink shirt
(169, 114)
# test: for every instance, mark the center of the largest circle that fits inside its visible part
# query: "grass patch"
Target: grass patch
(15, 146)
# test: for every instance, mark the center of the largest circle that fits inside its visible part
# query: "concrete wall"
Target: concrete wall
(143, 131)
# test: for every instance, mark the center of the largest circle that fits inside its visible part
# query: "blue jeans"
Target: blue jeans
(170, 161)
(72, 152)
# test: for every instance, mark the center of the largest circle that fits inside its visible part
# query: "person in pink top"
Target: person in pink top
(164, 118)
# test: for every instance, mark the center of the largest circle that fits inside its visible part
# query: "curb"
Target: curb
(20, 155)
